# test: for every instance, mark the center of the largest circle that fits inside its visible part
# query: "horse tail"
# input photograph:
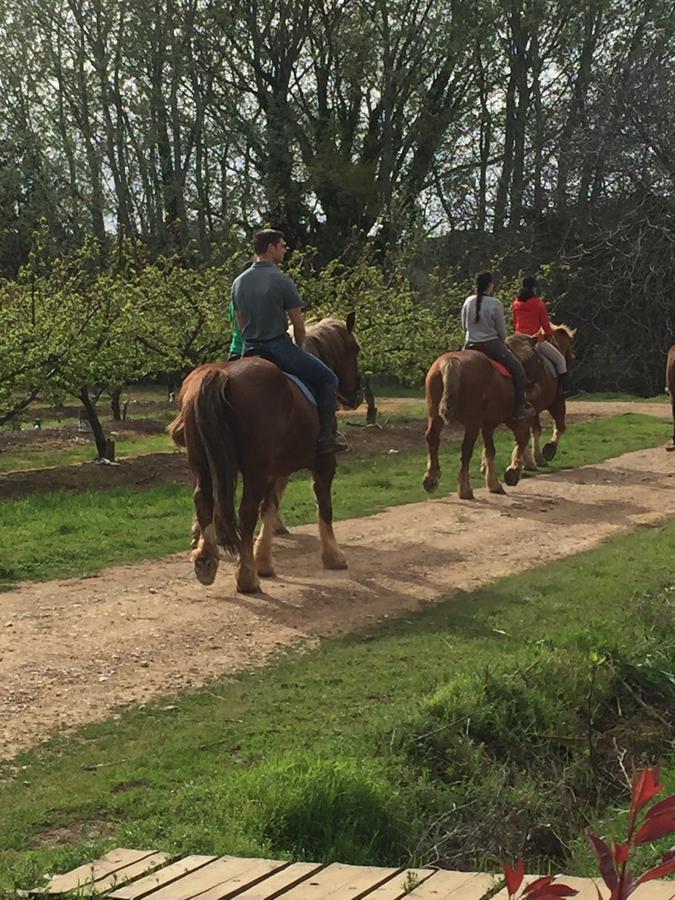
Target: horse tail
(213, 417)
(451, 374)
(176, 430)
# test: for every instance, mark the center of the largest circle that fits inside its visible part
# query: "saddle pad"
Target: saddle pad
(500, 368)
(309, 394)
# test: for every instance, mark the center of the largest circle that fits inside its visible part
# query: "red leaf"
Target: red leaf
(657, 809)
(538, 883)
(645, 787)
(514, 876)
(550, 891)
(656, 828)
(621, 854)
(605, 861)
(666, 868)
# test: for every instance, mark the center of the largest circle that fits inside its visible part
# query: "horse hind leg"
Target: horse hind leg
(433, 438)
(205, 554)
(278, 523)
(332, 556)
(262, 551)
(492, 482)
(558, 412)
(522, 436)
(247, 576)
(464, 486)
(536, 444)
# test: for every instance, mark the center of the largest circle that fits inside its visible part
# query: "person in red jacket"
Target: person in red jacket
(530, 316)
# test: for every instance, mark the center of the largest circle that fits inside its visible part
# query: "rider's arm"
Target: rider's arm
(544, 320)
(298, 323)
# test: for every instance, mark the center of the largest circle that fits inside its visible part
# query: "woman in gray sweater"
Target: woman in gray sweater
(485, 330)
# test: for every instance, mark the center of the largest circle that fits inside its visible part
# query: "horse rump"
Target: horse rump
(451, 374)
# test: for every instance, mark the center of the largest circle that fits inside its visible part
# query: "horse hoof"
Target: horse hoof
(205, 570)
(248, 587)
(466, 495)
(512, 477)
(281, 529)
(549, 450)
(336, 564)
(266, 571)
(498, 489)
(670, 447)
(430, 483)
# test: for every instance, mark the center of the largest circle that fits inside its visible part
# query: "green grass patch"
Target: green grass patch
(462, 728)
(70, 534)
(127, 445)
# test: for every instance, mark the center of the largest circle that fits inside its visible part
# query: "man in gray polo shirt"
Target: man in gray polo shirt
(264, 299)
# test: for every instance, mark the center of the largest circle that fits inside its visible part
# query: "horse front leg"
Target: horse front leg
(277, 519)
(558, 412)
(262, 550)
(464, 486)
(331, 555)
(536, 443)
(205, 554)
(492, 482)
(247, 576)
(433, 438)
(521, 432)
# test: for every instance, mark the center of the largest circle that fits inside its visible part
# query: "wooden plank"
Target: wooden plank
(92, 872)
(651, 890)
(257, 873)
(280, 882)
(167, 875)
(122, 876)
(457, 885)
(400, 886)
(205, 879)
(339, 881)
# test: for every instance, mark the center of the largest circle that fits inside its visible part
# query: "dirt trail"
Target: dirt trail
(73, 650)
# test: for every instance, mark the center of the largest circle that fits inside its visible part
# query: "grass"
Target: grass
(309, 757)
(72, 534)
(127, 444)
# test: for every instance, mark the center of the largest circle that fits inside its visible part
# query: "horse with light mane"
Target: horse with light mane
(248, 417)
(670, 387)
(465, 386)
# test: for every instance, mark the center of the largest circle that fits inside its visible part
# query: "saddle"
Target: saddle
(305, 388)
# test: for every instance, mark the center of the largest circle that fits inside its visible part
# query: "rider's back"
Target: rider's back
(262, 294)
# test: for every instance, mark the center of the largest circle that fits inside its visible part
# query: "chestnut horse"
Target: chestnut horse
(465, 387)
(670, 387)
(548, 397)
(248, 417)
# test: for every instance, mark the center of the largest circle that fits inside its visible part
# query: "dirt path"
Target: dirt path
(71, 651)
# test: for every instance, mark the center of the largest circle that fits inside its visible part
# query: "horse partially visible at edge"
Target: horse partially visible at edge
(670, 387)
(464, 386)
(248, 417)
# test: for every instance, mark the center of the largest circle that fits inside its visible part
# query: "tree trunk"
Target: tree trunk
(94, 421)
(115, 406)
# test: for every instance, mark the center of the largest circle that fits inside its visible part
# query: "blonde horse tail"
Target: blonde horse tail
(213, 417)
(451, 373)
(176, 430)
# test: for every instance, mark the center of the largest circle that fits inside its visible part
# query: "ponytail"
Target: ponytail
(528, 289)
(482, 282)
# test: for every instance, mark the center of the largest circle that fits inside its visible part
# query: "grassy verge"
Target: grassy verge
(63, 534)
(24, 458)
(462, 729)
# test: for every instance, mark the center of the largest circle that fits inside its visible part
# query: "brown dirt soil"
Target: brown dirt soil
(152, 469)
(73, 651)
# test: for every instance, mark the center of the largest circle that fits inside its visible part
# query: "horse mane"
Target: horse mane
(567, 329)
(327, 339)
(522, 345)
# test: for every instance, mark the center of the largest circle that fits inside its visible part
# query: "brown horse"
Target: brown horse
(670, 387)
(465, 387)
(247, 417)
(548, 397)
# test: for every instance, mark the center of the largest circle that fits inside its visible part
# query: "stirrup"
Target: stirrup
(332, 443)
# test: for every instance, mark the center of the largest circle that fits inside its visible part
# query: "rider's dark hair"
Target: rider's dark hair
(528, 289)
(265, 239)
(483, 280)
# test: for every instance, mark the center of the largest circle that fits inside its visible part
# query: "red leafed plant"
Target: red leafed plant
(540, 889)
(643, 826)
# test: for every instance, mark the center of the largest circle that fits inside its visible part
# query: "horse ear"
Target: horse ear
(350, 320)
(573, 332)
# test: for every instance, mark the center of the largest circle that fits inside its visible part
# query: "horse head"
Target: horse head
(563, 338)
(334, 343)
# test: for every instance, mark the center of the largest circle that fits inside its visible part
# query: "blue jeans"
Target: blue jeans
(296, 361)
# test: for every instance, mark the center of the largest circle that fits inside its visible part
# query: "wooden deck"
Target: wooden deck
(135, 874)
